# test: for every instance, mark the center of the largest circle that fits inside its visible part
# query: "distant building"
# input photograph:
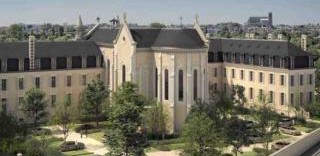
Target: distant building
(262, 22)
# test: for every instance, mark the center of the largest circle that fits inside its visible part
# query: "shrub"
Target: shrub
(41, 131)
(83, 127)
(162, 148)
(71, 146)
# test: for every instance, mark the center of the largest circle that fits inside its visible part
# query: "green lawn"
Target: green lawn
(307, 127)
(250, 153)
(97, 136)
(77, 153)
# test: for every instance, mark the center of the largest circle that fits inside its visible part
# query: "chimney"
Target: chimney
(280, 36)
(270, 36)
(32, 42)
(304, 41)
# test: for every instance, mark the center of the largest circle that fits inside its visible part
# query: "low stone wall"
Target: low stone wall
(300, 146)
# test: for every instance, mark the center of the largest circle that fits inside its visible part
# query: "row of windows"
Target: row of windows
(299, 99)
(53, 100)
(262, 78)
(52, 82)
(46, 63)
(180, 84)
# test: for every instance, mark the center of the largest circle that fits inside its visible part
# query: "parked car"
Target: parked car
(290, 130)
(280, 144)
(285, 122)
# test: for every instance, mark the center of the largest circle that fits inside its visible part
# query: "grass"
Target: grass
(307, 127)
(250, 153)
(97, 136)
(279, 137)
(77, 153)
(165, 145)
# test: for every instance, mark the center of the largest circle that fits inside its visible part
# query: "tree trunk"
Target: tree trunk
(97, 119)
(35, 120)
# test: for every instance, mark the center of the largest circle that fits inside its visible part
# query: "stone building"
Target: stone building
(173, 66)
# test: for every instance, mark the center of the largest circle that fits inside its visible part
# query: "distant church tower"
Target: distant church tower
(79, 30)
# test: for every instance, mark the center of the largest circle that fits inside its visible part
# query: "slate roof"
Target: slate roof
(104, 35)
(257, 47)
(150, 37)
(49, 49)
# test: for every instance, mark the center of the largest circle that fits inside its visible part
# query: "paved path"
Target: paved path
(92, 145)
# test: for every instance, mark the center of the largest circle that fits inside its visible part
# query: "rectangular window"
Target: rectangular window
(310, 79)
(69, 97)
(310, 97)
(166, 84)
(260, 94)
(20, 101)
(251, 76)
(4, 84)
(215, 72)
(4, 104)
(271, 96)
(180, 87)
(251, 93)
(53, 100)
(282, 80)
(83, 80)
(20, 84)
(292, 80)
(271, 78)
(156, 82)
(301, 80)
(53, 82)
(233, 73)
(225, 87)
(69, 80)
(215, 87)
(37, 82)
(242, 75)
(261, 77)
(282, 99)
(225, 72)
(301, 98)
(292, 99)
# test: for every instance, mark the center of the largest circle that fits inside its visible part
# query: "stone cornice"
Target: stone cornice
(171, 49)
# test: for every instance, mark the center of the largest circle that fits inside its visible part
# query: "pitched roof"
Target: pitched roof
(104, 35)
(49, 49)
(179, 38)
(148, 37)
(256, 47)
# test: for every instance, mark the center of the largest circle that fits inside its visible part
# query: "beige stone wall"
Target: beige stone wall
(61, 90)
(265, 85)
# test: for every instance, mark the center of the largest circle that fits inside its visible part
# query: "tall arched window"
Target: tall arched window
(166, 84)
(123, 73)
(108, 72)
(156, 82)
(195, 84)
(180, 87)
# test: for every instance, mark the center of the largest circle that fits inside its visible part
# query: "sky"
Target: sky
(164, 11)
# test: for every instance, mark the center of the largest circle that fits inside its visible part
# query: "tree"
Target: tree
(64, 116)
(125, 135)
(237, 133)
(268, 121)
(157, 25)
(200, 135)
(157, 119)
(34, 104)
(15, 31)
(8, 130)
(93, 98)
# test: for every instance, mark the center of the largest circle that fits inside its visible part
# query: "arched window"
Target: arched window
(195, 84)
(45, 63)
(180, 88)
(76, 62)
(166, 84)
(156, 82)
(123, 73)
(61, 63)
(108, 72)
(91, 62)
(12, 64)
